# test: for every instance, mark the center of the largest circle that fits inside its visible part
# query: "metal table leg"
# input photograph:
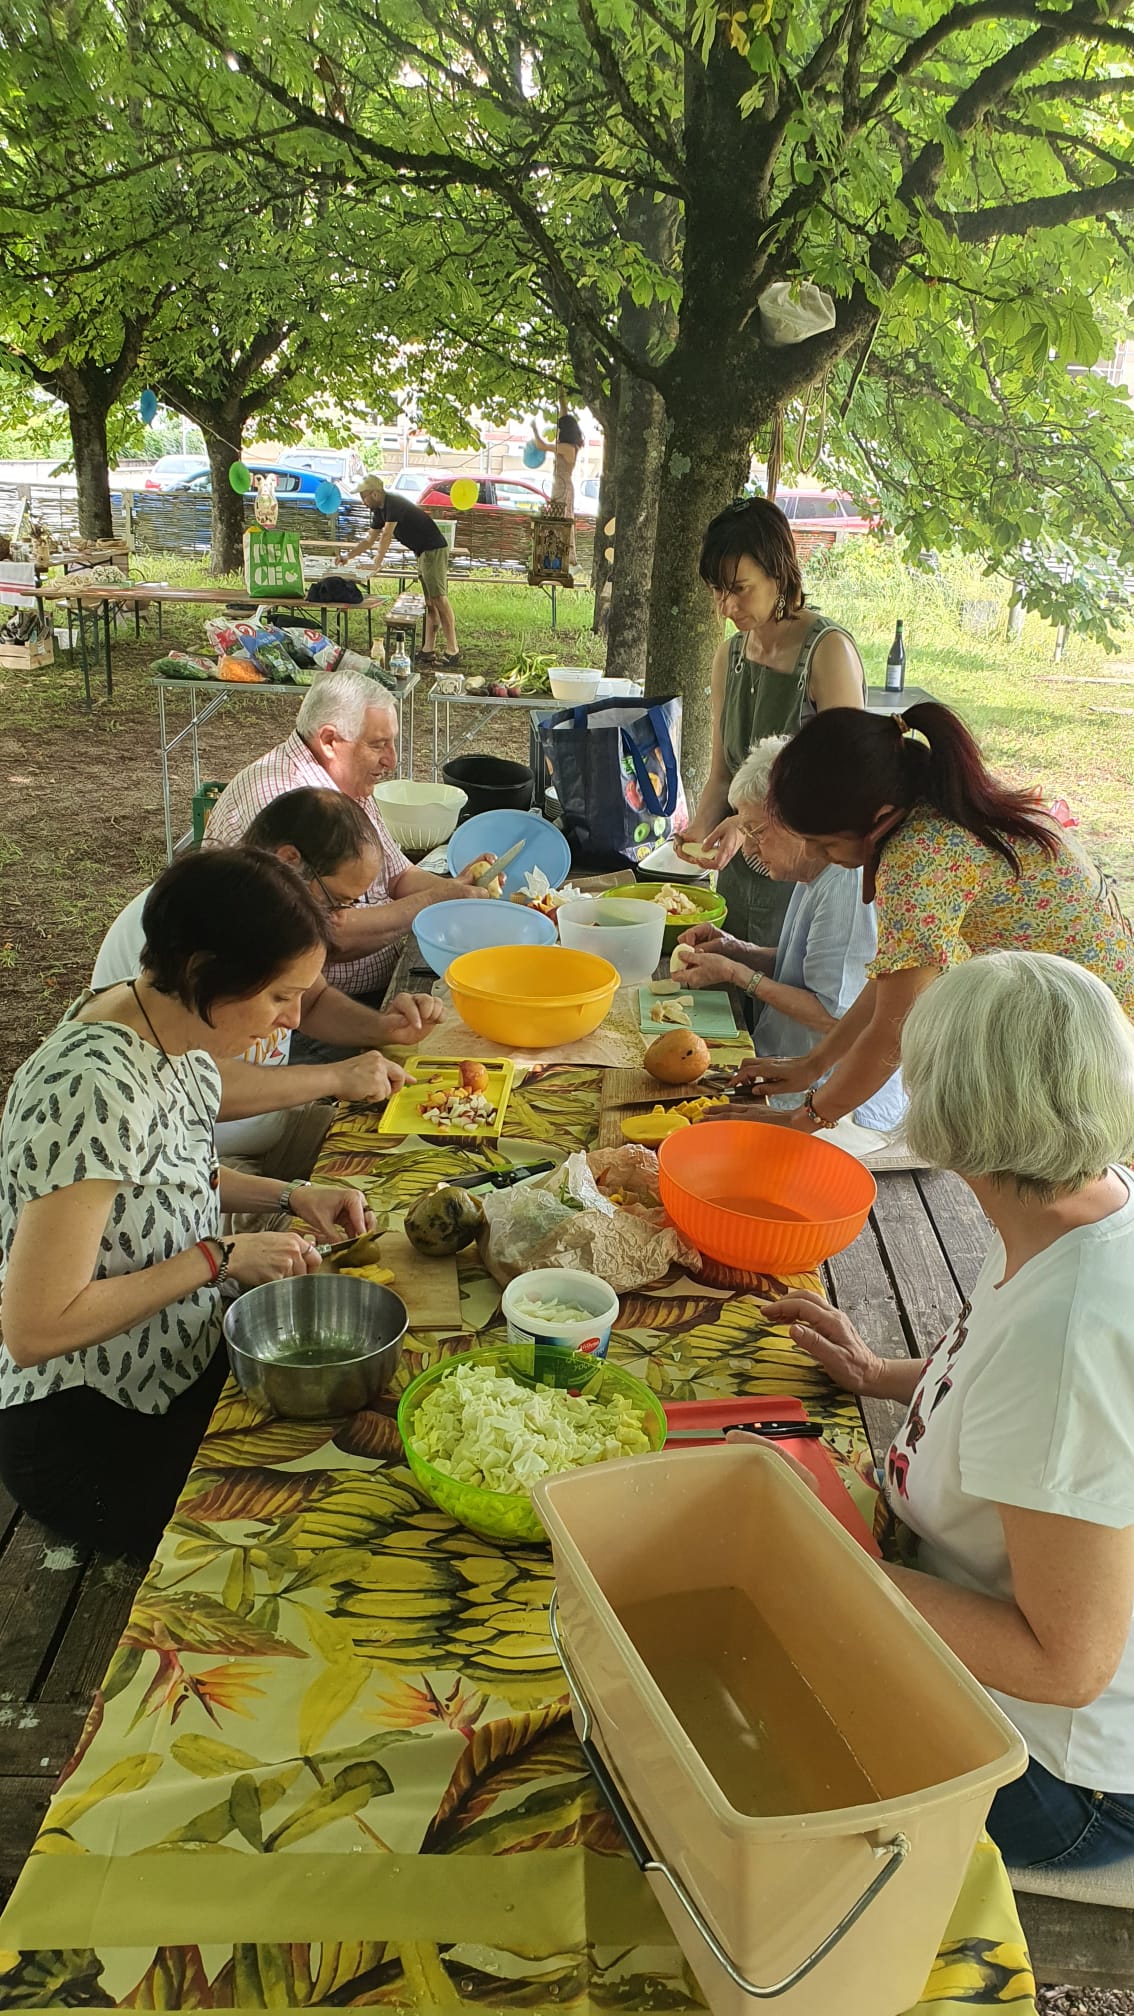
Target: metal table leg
(436, 711)
(553, 609)
(165, 804)
(195, 739)
(106, 645)
(83, 659)
(409, 697)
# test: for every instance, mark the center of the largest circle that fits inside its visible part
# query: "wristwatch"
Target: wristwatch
(283, 1201)
(755, 984)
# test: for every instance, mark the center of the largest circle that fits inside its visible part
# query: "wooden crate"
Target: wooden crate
(27, 657)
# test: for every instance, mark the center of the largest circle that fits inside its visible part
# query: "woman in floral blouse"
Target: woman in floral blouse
(956, 863)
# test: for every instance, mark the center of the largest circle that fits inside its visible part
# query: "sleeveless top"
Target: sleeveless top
(760, 701)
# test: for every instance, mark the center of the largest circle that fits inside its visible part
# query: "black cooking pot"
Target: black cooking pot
(491, 784)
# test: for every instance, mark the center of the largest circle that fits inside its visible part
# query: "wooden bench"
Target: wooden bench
(902, 1282)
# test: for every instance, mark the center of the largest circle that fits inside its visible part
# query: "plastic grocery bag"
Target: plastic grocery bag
(564, 1220)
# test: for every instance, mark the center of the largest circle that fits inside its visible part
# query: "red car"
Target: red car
(823, 511)
(494, 493)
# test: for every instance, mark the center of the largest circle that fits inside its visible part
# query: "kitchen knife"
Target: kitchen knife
(502, 1179)
(498, 866)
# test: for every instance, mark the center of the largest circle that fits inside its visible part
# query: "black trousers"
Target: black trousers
(101, 1477)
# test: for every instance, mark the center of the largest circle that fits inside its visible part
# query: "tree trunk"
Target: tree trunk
(223, 428)
(706, 460)
(641, 447)
(87, 420)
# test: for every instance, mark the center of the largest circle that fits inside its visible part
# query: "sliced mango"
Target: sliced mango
(647, 1129)
(381, 1276)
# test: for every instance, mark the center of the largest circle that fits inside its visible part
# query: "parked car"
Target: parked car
(412, 483)
(823, 511)
(299, 485)
(494, 493)
(343, 466)
(170, 471)
(587, 497)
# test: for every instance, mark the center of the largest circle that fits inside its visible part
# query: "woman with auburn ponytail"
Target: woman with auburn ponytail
(956, 862)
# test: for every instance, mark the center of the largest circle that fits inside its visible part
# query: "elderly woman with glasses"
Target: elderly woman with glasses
(785, 663)
(272, 1122)
(799, 988)
(1013, 1470)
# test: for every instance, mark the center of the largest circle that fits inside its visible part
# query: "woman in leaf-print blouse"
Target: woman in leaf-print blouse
(955, 862)
(111, 1261)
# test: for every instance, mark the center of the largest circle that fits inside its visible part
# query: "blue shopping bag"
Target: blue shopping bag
(615, 768)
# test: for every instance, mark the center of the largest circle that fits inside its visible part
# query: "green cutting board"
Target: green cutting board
(710, 1015)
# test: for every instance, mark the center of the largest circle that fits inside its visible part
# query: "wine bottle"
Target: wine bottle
(896, 662)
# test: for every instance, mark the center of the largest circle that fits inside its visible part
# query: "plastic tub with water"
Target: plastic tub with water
(800, 1765)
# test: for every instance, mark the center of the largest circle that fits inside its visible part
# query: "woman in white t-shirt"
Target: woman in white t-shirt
(1015, 1464)
(111, 1263)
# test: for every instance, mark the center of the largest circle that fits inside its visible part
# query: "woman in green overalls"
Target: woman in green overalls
(785, 663)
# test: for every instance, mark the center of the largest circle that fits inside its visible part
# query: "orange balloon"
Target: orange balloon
(464, 493)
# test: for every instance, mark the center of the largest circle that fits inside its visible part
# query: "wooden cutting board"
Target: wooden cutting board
(427, 1287)
(626, 1089)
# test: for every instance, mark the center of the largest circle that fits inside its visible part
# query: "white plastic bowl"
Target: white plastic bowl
(619, 689)
(632, 944)
(573, 683)
(419, 816)
(561, 1284)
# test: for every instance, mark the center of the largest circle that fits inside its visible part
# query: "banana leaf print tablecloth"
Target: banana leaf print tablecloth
(331, 1764)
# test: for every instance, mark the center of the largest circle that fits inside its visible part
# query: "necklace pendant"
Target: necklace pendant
(214, 1176)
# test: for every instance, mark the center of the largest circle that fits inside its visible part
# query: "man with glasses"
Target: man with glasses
(274, 1126)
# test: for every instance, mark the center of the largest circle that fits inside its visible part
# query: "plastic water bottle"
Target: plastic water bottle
(896, 662)
(398, 664)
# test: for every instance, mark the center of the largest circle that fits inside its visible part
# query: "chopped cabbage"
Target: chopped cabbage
(482, 1427)
(546, 1309)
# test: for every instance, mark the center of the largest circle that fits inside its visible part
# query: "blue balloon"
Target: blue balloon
(328, 497)
(534, 457)
(147, 406)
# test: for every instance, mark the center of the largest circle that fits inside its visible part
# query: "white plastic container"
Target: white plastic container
(800, 1766)
(631, 943)
(573, 684)
(560, 1284)
(419, 816)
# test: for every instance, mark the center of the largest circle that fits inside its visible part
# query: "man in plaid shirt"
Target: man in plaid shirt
(345, 739)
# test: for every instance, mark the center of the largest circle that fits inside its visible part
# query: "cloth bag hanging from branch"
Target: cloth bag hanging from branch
(791, 311)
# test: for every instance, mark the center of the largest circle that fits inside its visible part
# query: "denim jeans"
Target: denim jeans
(1040, 1823)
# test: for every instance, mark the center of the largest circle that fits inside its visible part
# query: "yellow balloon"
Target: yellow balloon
(464, 493)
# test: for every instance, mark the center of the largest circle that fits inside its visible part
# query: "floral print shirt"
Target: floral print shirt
(942, 895)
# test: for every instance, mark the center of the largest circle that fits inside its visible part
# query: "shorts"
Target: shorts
(433, 569)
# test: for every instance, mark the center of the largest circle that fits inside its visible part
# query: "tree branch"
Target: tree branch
(653, 140)
(1012, 220)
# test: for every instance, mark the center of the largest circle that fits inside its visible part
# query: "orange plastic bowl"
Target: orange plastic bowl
(763, 1198)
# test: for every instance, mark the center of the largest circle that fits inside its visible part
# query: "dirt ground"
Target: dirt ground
(81, 812)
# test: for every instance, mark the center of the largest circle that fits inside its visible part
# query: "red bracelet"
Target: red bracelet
(204, 1247)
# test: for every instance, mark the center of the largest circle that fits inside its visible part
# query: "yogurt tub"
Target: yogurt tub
(561, 1287)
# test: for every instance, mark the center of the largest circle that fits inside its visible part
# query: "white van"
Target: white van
(343, 466)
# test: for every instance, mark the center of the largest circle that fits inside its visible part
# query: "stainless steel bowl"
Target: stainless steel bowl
(350, 1333)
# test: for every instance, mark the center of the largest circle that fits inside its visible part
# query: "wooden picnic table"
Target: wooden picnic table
(100, 597)
(328, 1677)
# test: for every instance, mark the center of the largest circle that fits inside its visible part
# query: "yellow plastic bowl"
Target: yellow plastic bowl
(529, 997)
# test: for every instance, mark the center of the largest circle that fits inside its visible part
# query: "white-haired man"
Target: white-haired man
(345, 738)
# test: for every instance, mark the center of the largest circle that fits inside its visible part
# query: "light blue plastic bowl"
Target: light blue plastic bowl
(544, 846)
(445, 930)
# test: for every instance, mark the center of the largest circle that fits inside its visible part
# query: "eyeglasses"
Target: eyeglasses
(332, 902)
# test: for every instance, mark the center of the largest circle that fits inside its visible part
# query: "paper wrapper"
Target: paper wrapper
(565, 1221)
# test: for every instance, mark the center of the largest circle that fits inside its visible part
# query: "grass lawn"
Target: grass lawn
(80, 816)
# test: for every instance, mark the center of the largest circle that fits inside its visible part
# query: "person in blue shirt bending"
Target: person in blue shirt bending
(802, 987)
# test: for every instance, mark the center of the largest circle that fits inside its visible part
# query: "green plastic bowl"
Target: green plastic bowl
(505, 1515)
(712, 907)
